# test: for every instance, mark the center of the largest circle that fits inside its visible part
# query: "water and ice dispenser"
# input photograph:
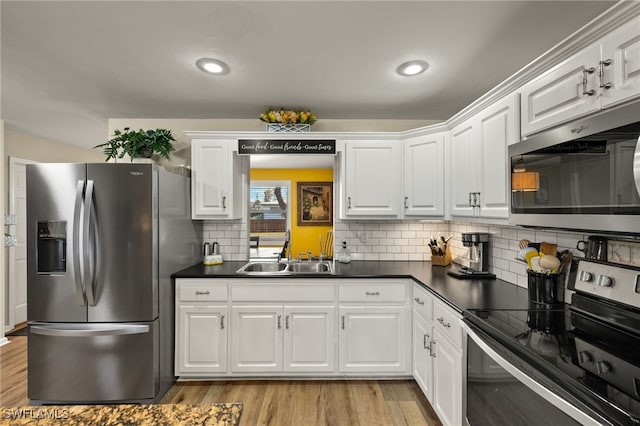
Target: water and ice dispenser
(52, 247)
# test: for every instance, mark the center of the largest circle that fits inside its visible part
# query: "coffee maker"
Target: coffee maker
(478, 243)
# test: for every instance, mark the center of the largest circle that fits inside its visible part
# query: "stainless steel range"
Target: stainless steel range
(574, 364)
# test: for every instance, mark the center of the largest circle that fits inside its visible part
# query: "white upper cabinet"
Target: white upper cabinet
(372, 179)
(621, 64)
(498, 128)
(479, 167)
(216, 180)
(603, 74)
(424, 175)
(464, 164)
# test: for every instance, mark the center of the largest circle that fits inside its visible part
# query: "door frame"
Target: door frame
(11, 266)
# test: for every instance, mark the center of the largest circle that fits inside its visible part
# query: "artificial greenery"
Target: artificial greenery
(136, 144)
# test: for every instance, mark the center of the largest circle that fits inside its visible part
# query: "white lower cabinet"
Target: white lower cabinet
(438, 355)
(422, 359)
(201, 327)
(307, 327)
(447, 380)
(374, 327)
(257, 339)
(202, 337)
(309, 339)
(277, 338)
(373, 339)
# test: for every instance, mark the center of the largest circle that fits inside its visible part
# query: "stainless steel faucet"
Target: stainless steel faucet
(286, 247)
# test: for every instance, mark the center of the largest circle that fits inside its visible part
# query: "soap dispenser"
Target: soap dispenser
(344, 256)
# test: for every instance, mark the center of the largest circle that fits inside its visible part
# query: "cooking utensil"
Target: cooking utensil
(549, 263)
(524, 243)
(548, 248)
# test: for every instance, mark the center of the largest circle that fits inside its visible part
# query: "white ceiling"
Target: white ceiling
(67, 67)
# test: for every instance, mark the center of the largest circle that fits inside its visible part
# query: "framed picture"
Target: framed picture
(315, 204)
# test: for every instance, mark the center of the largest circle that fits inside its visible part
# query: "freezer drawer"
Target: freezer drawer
(93, 362)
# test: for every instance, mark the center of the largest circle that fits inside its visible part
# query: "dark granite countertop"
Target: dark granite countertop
(460, 294)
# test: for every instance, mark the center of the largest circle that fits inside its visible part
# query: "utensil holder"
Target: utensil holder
(442, 260)
(545, 289)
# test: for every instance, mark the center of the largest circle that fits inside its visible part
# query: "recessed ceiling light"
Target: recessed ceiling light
(212, 66)
(412, 68)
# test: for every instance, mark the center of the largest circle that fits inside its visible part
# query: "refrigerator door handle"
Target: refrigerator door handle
(88, 254)
(89, 330)
(76, 244)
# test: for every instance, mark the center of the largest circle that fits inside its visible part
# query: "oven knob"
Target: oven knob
(603, 367)
(586, 276)
(605, 281)
(585, 357)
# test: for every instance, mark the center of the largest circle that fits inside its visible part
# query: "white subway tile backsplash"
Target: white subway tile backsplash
(547, 237)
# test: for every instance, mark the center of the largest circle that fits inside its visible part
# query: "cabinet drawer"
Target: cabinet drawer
(386, 291)
(201, 290)
(448, 322)
(293, 291)
(423, 301)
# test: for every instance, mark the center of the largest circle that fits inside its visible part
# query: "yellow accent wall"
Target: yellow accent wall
(303, 238)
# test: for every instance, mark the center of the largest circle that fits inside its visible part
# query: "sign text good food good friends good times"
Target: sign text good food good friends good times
(288, 146)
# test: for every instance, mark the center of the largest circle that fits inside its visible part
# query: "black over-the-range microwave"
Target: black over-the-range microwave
(583, 175)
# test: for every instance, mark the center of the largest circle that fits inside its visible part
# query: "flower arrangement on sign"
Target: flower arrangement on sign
(283, 116)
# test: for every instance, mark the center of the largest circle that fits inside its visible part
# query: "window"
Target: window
(269, 213)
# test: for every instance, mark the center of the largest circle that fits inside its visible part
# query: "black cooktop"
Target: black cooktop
(597, 363)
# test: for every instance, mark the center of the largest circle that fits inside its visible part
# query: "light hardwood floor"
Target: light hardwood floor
(268, 402)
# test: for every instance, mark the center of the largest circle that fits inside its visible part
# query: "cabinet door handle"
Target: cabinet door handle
(477, 200)
(445, 324)
(286, 322)
(585, 80)
(279, 322)
(200, 293)
(427, 345)
(348, 202)
(224, 202)
(603, 64)
(372, 293)
(470, 204)
(432, 348)
(222, 322)
(420, 302)
(343, 322)
(405, 202)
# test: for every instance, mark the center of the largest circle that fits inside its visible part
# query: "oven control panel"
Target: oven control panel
(619, 283)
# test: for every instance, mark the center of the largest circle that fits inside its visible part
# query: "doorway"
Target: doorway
(17, 264)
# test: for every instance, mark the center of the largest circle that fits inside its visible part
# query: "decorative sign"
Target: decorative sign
(624, 252)
(286, 146)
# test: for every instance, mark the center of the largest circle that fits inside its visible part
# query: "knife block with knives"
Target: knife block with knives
(440, 251)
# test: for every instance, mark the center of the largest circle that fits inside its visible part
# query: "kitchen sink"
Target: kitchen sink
(264, 268)
(282, 268)
(311, 267)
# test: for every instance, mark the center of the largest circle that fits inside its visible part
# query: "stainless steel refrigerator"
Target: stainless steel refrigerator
(102, 243)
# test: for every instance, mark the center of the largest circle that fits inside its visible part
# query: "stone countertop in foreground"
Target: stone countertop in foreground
(460, 294)
(124, 414)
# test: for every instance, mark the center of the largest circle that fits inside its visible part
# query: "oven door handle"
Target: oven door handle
(554, 399)
(636, 166)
